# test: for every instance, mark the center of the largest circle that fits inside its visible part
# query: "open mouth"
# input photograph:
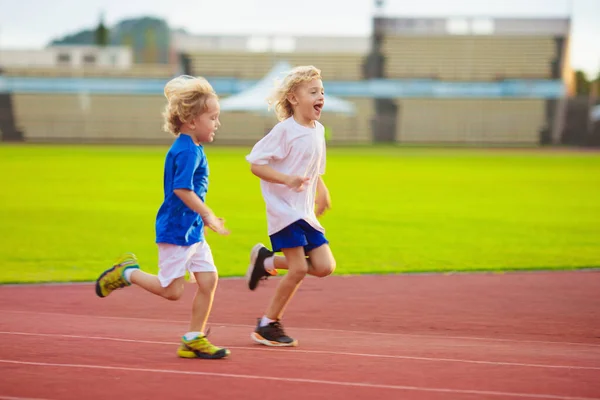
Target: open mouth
(318, 107)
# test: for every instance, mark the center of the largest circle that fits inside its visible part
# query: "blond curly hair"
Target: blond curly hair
(186, 99)
(279, 98)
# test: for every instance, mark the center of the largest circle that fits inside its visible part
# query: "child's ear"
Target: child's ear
(292, 99)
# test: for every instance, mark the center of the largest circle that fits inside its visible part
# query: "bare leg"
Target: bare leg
(199, 346)
(320, 262)
(207, 284)
(297, 268)
(152, 284)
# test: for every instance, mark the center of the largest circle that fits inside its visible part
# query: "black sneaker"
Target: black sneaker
(272, 335)
(256, 269)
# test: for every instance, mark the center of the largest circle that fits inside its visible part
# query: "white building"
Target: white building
(183, 42)
(68, 56)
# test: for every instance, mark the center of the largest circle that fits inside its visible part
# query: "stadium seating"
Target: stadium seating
(468, 58)
(470, 120)
(249, 65)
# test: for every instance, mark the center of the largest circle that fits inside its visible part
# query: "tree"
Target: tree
(150, 46)
(132, 32)
(101, 33)
(582, 84)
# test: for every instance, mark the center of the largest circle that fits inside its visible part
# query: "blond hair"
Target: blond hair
(186, 98)
(279, 99)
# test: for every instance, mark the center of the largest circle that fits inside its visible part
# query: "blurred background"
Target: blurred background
(461, 133)
(461, 72)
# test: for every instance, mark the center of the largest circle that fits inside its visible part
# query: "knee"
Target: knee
(207, 282)
(174, 296)
(324, 270)
(174, 292)
(297, 274)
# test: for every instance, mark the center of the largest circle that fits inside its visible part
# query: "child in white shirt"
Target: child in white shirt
(290, 160)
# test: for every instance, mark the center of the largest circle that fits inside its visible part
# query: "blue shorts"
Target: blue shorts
(298, 234)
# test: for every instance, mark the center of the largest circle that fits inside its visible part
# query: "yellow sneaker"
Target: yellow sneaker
(114, 278)
(200, 347)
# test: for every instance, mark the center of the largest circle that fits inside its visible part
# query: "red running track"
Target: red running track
(478, 336)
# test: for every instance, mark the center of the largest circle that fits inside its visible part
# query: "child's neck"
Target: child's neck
(196, 141)
(309, 123)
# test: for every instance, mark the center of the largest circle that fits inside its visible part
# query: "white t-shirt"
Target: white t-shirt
(292, 149)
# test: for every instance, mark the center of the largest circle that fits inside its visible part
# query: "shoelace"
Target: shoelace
(277, 328)
(205, 345)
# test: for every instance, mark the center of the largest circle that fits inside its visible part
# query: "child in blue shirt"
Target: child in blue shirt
(192, 115)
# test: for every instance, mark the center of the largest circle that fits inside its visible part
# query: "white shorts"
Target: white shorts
(174, 261)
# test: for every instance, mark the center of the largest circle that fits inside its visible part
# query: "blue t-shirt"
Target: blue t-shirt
(186, 167)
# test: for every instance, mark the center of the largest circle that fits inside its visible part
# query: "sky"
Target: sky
(29, 24)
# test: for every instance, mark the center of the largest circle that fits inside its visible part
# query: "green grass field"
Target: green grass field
(67, 211)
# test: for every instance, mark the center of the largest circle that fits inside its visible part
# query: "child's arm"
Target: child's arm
(267, 173)
(323, 199)
(196, 204)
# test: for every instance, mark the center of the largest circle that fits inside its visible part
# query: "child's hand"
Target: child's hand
(323, 202)
(297, 183)
(216, 224)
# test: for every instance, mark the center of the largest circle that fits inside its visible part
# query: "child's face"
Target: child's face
(205, 124)
(308, 100)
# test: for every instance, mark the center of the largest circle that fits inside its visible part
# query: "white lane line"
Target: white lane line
(352, 332)
(299, 380)
(302, 351)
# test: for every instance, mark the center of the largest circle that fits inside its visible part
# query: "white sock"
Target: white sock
(266, 321)
(270, 263)
(192, 335)
(128, 273)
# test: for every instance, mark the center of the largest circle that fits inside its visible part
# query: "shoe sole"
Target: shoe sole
(253, 257)
(259, 339)
(191, 354)
(98, 288)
